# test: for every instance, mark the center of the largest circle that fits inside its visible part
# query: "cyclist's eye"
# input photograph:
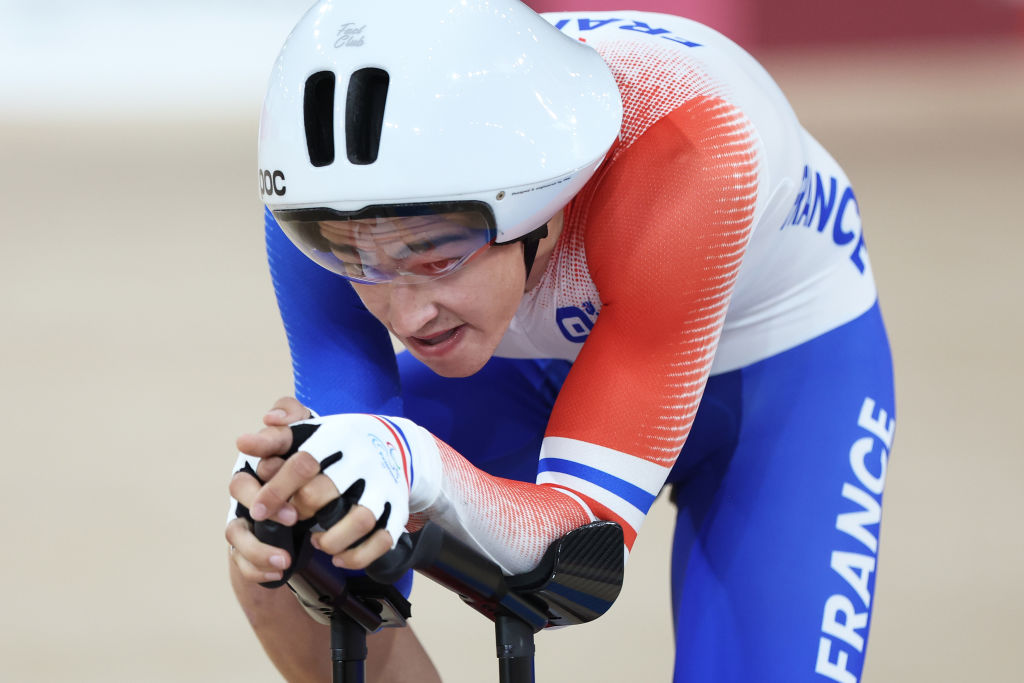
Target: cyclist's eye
(436, 267)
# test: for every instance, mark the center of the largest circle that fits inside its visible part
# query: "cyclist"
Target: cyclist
(618, 263)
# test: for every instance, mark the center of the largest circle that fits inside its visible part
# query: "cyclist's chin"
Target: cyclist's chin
(459, 354)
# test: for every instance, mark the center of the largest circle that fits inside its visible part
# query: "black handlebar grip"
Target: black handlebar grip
(285, 537)
(407, 554)
(389, 567)
(279, 536)
(413, 551)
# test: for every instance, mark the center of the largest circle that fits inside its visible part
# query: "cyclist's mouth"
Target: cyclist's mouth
(438, 342)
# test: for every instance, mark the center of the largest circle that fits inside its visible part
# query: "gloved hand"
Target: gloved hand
(380, 468)
(372, 461)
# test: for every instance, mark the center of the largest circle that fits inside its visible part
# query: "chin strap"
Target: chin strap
(531, 241)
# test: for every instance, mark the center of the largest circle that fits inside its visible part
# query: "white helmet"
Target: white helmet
(418, 102)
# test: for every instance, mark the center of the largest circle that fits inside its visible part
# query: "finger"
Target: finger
(250, 572)
(310, 498)
(296, 472)
(361, 556)
(256, 561)
(267, 442)
(353, 526)
(244, 488)
(285, 411)
(268, 467)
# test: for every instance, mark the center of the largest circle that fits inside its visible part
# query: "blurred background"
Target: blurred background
(140, 335)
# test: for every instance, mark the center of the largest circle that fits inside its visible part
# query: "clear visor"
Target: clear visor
(415, 242)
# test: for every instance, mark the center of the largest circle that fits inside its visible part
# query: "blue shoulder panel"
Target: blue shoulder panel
(342, 357)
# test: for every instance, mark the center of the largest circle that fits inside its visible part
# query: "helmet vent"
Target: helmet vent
(318, 109)
(364, 114)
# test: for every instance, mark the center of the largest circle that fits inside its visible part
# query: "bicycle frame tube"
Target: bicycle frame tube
(514, 638)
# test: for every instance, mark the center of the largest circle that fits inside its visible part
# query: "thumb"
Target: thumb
(285, 411)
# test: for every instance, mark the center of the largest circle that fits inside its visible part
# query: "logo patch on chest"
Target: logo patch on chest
(575, 323)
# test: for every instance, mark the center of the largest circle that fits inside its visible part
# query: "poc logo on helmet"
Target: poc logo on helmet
(271, 183)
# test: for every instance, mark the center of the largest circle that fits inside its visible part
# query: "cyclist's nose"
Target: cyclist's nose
(411, 307)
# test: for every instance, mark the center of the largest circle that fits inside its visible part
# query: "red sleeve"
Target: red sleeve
(666, 228)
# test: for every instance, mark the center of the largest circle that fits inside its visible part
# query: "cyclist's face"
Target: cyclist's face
(453, 324)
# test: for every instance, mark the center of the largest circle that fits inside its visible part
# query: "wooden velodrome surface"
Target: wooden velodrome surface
(140, 336)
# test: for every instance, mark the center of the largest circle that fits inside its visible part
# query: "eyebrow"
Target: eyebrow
(417, 247)
(420, 246)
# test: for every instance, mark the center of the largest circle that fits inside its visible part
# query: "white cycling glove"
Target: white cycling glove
(390, 465)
